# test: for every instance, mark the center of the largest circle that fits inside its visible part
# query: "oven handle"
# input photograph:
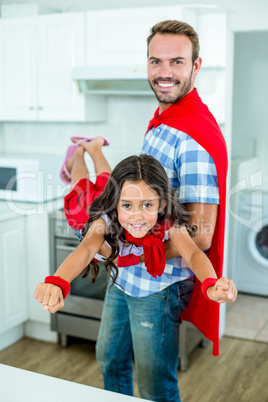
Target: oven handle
(66, 248)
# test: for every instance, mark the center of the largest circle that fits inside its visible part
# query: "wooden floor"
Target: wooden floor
(239, 374)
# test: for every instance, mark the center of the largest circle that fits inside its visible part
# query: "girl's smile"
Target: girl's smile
(138, 208)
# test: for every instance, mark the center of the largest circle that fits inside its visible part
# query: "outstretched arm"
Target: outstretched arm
(223, 290)
(51, 295)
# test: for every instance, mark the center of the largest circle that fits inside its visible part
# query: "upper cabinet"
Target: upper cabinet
(37, 55)
(116, 37)
(18, 69)
(211, 25)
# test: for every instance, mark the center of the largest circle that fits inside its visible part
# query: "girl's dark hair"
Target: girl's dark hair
(133, 169)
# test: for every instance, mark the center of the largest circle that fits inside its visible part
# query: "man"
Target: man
(145, 318)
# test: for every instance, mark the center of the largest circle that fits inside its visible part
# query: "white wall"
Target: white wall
(127, 120)
(249, 118)
(249, 92)
(1, 137)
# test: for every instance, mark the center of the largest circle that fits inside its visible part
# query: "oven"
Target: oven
(81, 314)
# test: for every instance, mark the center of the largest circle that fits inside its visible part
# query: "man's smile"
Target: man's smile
(164, 84)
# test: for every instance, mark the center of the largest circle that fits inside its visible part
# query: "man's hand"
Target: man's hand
(223, 291)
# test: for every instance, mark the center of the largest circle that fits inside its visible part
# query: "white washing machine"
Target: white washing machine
(251, 243)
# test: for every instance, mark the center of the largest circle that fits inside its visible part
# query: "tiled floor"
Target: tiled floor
(247, 318)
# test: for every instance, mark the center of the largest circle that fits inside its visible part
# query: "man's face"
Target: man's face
(171, 72)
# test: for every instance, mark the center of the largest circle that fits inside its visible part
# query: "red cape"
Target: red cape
(191, 116)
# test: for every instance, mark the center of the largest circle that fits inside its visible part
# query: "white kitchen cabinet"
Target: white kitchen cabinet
(13, 283)
(38, 263)
(118, 37)
(36, 59)
(24, 262)
(212, 31)
(60, 48)
(18, 69)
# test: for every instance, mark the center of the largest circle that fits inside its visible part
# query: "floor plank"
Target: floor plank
(240, 373)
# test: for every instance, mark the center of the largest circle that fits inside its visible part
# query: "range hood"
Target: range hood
(112, 80)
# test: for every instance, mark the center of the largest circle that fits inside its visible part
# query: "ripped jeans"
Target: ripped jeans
(149, 327)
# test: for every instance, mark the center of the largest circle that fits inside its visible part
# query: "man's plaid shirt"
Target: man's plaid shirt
(193, 175)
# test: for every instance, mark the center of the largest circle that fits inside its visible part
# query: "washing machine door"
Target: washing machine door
(251, 244)
(258, 243)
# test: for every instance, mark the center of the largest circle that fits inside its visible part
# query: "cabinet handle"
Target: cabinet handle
(31, 108)
(40, 108)
(66, 248)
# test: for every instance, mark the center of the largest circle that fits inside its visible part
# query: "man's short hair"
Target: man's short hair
(175, 27)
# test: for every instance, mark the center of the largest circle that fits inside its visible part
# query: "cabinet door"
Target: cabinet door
(18, 69)
(60, 48)
(13, 284)
(38, 264)
(212, 31)
(117, 37)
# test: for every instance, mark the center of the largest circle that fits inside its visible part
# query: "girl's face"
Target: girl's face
(138, 208)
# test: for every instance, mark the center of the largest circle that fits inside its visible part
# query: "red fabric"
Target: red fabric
(127, 260)
(61, 283)
(78, 201)
(191, 116)
(206, 284)
(154, 249)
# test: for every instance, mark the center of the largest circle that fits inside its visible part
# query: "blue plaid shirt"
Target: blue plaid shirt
(192, 173)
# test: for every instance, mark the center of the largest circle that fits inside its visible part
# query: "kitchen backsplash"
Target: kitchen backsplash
(126, 124)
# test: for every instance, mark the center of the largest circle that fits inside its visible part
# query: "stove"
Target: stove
(81, 314)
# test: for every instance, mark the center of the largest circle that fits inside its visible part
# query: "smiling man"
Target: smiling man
(172, 67)
(145, 318)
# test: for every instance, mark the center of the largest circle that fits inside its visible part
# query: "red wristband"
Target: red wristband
(206, 284)
(61, 283)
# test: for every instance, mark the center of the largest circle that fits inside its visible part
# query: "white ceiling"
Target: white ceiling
(73, 5)
(243, 14)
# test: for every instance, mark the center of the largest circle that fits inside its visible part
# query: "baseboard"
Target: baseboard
(40, 331)
(11, 336)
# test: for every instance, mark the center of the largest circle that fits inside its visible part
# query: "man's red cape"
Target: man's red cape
(191, 116)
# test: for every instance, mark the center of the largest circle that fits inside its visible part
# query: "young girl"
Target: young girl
(137, 210)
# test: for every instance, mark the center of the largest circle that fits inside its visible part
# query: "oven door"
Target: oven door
(85, 298)
(81, 314)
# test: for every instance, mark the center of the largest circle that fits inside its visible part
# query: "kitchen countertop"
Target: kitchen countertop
(5, 212)
(15, 209)
(26, 386)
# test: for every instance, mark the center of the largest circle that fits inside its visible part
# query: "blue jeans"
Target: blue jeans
(149, 327)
